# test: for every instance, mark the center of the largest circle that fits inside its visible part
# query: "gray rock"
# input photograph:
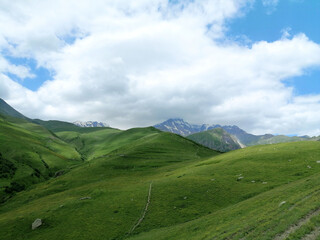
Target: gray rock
(84, 198)
(37, 223)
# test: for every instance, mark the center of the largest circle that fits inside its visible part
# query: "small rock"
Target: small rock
(58, 174)
(185, 198)
(318, 161)
(264, 182)
(253, 181)
(289, 160)
(84, 198)
(239, 178)
(283, 202)
(37, 223)
(212, 179)
(308, 166)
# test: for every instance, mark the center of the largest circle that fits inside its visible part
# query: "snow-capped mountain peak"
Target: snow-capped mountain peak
(90, 124)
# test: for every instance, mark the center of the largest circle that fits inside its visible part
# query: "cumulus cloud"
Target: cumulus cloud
(136, 63)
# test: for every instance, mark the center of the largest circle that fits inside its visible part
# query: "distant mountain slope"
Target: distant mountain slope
(90, 124)
(56, 126)
(6, 109)
(281, 139)
(217, 139)
(179, 126)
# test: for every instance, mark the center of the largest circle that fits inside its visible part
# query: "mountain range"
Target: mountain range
(183, 128)
(90, 124)
(179, 126)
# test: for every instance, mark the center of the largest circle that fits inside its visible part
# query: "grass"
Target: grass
(118, 185)
(197, 193)
(35, 153)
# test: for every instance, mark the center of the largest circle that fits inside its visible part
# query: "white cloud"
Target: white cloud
(20, 71)
(135, 63)
(271, 5)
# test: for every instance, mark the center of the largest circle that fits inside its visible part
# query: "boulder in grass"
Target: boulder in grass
(37, 223)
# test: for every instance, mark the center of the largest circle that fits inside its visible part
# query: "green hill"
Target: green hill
(116, 184)
(192, 196)
(217, 139)
(55, 126)
(146, 184)
(32, 153)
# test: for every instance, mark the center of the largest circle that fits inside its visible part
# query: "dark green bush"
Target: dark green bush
(7, 168)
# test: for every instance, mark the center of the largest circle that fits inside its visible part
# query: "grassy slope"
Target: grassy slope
(217, 139)
(6, 109)
(55, 126)
(117, 183)
(34, 151)
(186, 187)
(291, 174)
(96, 142)
(261, 217)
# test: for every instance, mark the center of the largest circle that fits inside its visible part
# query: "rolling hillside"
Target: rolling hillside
(30, 154)
(142, 183)
(217, 139)
(192, 195)
(115, 184)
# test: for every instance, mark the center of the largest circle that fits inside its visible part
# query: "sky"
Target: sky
(250, 63)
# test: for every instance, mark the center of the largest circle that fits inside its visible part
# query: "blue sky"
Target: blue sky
(268, 22)
(251, 63)
(40, 74)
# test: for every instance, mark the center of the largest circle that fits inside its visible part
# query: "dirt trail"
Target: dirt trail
(296, 226)
(144, 212)
(313, 235)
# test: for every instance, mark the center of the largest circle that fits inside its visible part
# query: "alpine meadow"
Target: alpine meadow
(160, 120)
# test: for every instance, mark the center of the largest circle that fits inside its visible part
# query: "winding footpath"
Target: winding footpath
(296, 226)
(144, 212)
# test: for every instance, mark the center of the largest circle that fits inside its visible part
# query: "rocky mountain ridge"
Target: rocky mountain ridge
(90, 124)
